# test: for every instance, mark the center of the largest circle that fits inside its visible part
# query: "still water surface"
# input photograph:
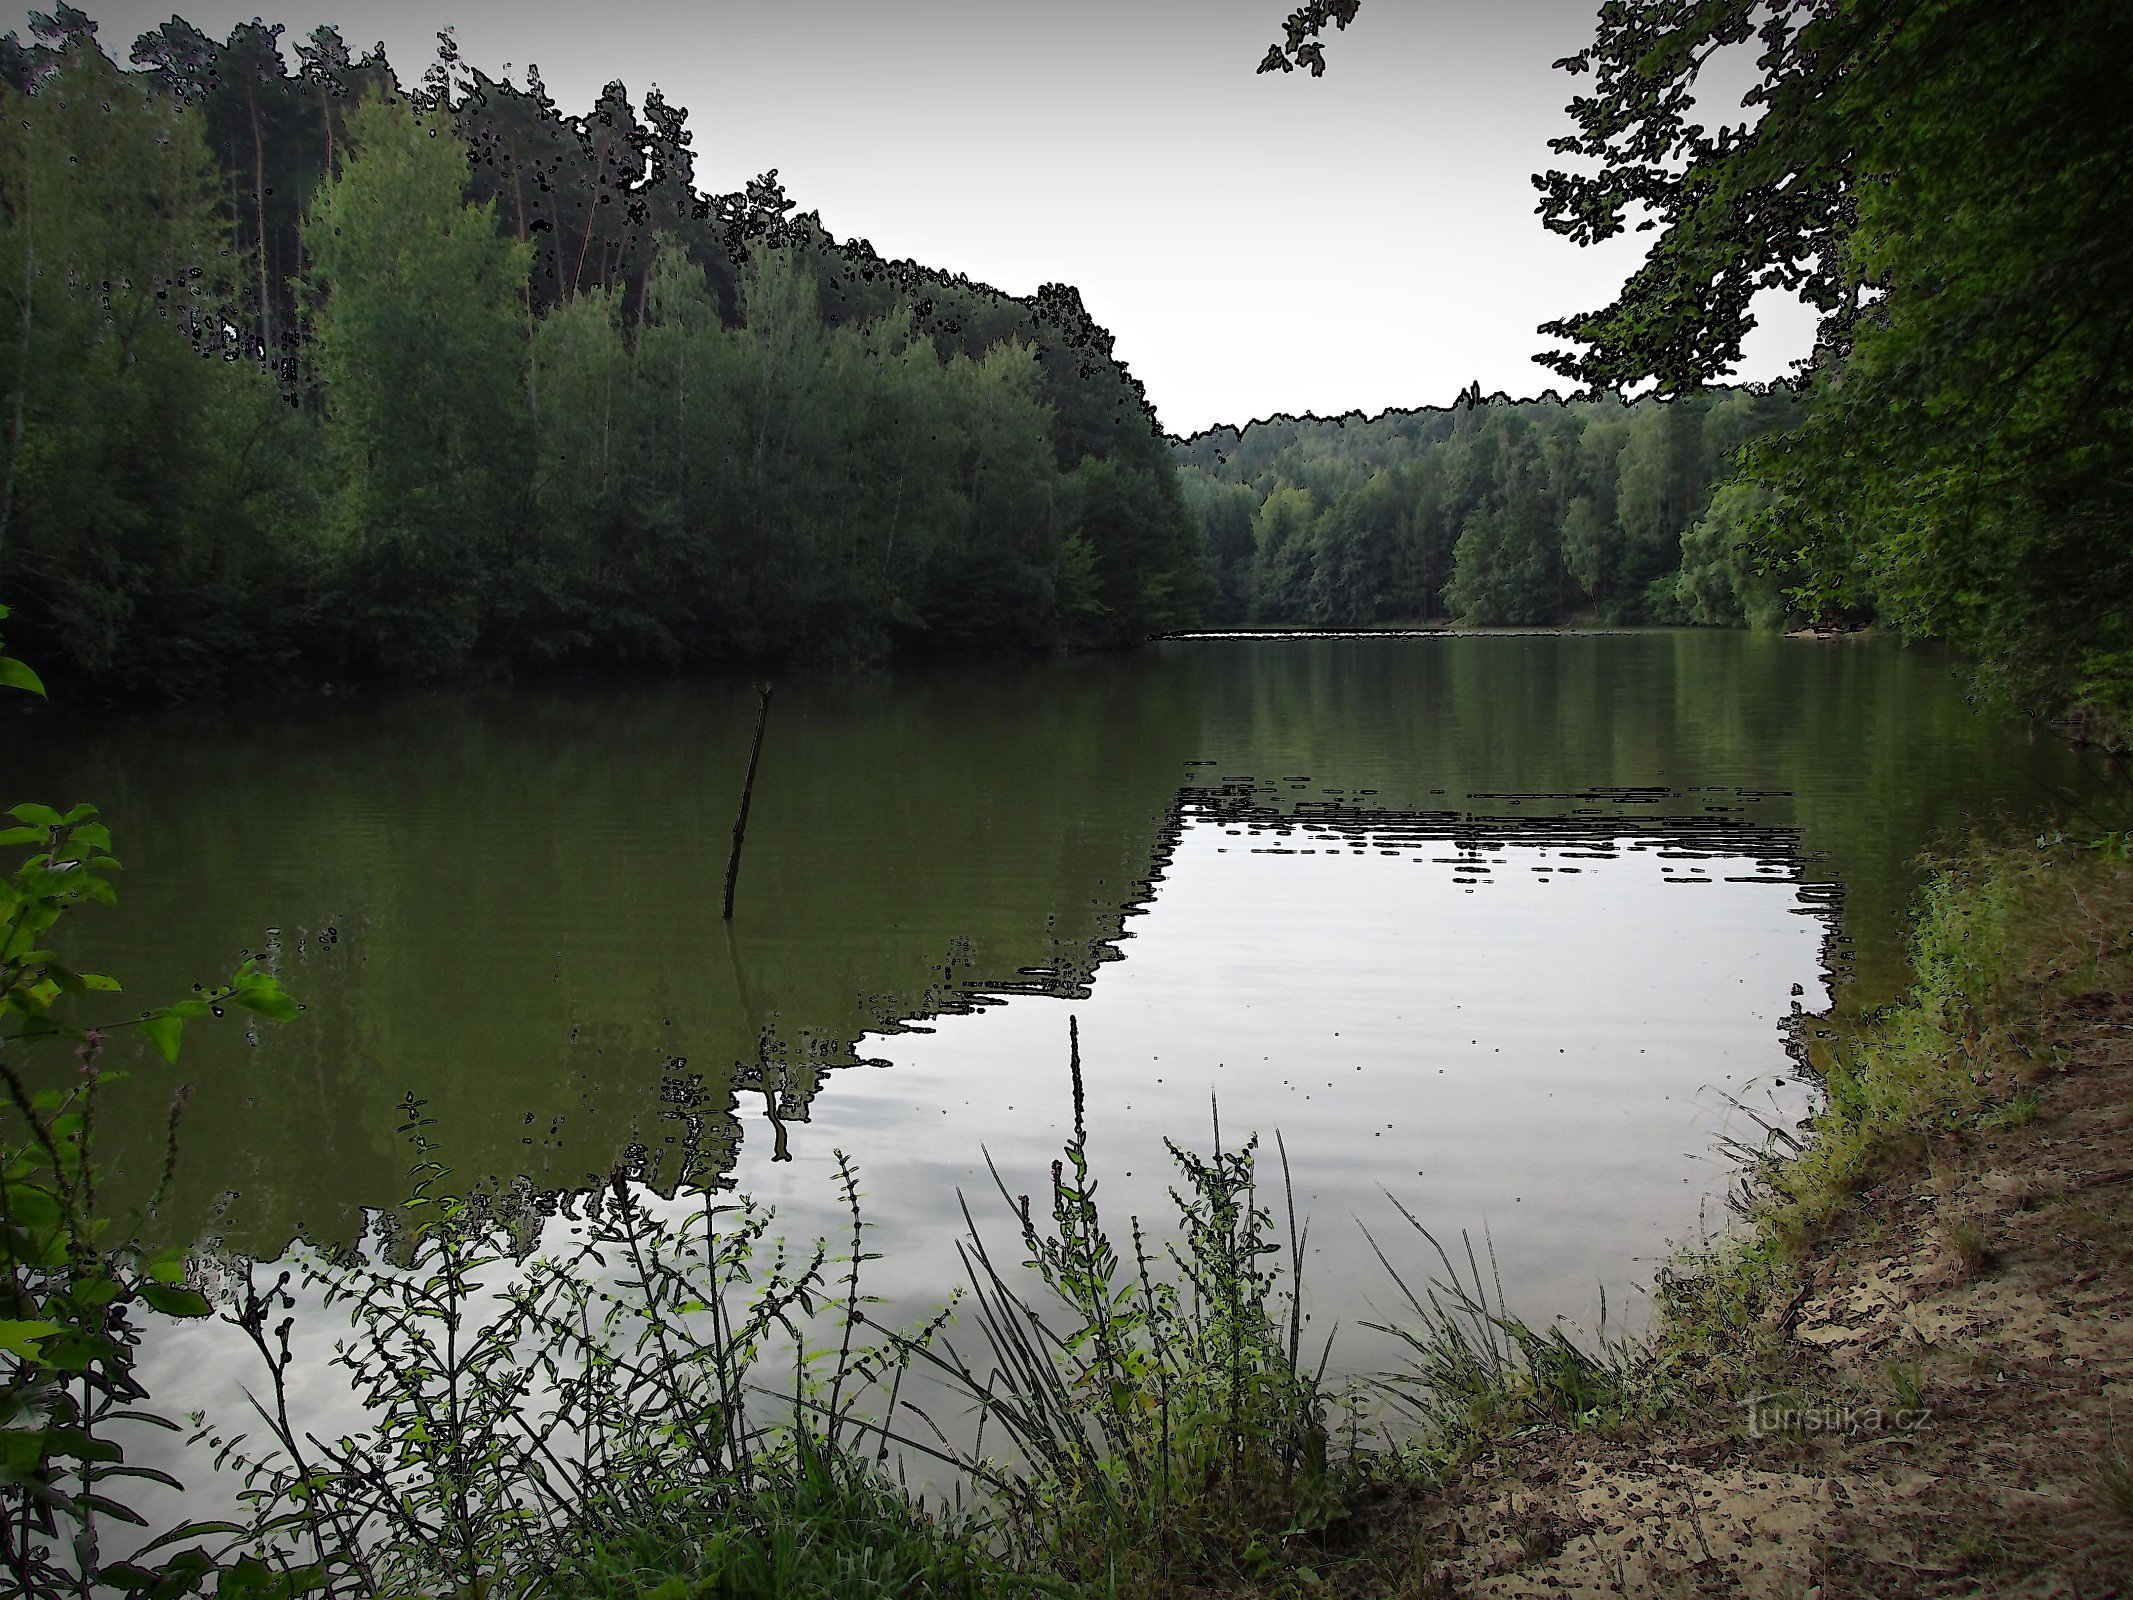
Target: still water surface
(1503, 925)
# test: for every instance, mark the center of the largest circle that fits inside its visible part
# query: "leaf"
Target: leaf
(252, 1579)
(14, 675)
(31, 1207)
(37, 816)
(10, 836)
(166, 1266)
(148, 1474)
(188, 1530)
(163, 1031)
(22, 1338)
(78, 1444)
(173, 1301)
(89, 836)
(21, 1450)
(265, 996)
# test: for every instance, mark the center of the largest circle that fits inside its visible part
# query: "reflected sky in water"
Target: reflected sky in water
(1536, 1030)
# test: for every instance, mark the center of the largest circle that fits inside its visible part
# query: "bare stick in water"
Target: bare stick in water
(740, 823)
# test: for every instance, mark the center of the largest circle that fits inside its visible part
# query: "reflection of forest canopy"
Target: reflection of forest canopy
(1488, 510)
(524, 893)
(499, 385)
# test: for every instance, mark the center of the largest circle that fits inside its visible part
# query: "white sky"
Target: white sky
(1257, 244)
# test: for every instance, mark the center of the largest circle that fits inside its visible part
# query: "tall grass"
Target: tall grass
(1476, 1372)
(1162, 1424)
(2009, 941)
(667, 1401)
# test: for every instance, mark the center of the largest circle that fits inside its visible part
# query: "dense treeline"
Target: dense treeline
(1492, 511)
(1935, 178)
(1939, 178)
(309, 373)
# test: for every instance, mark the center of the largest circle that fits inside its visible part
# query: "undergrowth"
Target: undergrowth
(1163, 1423)
(2009, 941)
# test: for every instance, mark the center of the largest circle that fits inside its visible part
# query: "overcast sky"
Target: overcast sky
(1257, 244)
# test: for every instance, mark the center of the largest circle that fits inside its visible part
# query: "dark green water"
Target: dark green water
(1498, 923)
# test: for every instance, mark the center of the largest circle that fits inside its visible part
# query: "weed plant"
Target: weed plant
(2008, 941)
(1476, 1372)
(596, 1412)
(75, 1285)
(1163, 1428)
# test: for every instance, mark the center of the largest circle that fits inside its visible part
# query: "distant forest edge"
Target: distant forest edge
(312, 376)
(1491, 511)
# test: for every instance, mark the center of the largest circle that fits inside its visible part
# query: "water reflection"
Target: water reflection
(507, 901)
(1502, 925)
(1534, 1026)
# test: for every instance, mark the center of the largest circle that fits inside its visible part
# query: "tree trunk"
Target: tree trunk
(259, 221)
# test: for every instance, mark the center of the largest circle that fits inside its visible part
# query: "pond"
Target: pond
(1513, 929)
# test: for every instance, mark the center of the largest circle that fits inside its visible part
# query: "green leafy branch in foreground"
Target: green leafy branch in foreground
(70, 1284)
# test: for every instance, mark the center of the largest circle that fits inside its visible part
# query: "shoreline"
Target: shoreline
(1913, 1372)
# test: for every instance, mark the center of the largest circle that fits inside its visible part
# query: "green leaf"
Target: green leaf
(163, 1031)
(252, 1579)
(166, 1266)
(264, 995)
(23, 1338)
(37, 816)
(14, 675)
(21, 1451)
(11, 836)
(31, 1207)
(176, 1302)
(77, 1444)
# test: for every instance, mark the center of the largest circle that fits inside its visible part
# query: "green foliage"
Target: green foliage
(1933, 178)
(1284, 554)
(2002, 935)
(307, 372)
(1165, 1428)
(1476, 1372)
(133, 534)
(1494, 513)
(73, 1284)
(1723, 579)
(589, 1421)
(419, 332)
(830, 1527)
(1150, 572)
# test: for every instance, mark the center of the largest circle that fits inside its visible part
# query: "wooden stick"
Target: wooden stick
(740, 823)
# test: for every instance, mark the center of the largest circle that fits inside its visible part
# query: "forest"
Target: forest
(311, 376)
(1934, 178)
(1492, 511)
(315, 375)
